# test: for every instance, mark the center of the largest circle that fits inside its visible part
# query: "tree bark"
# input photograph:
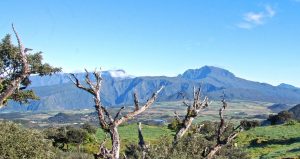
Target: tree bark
(192, 112)
(116, 145)
(213, 151)
(185, 127)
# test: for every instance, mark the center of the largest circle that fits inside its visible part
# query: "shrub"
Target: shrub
(174, 125)
(190, 146)
(247, 124)
(280, 118)
(68, 135)
(89, 128)
(17, 142)
(291, 122)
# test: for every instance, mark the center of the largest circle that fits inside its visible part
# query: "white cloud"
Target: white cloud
(254, 19)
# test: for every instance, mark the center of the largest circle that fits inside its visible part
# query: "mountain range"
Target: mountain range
(56, 92)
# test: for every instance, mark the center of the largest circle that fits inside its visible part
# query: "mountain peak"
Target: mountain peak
(206, 71)
(288, 86)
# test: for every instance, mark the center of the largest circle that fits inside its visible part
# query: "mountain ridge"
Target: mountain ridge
(57, 93)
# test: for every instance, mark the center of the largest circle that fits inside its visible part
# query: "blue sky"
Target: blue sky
(255, 39)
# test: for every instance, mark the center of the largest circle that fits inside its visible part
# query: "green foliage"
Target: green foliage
(291, 122)
(76, 135)
(57, 135)
(248, 124)
(17, 142)
(280, 118)
(89, 128)
(174, 125)
(11, 68)
(63, 136)
(190, 146)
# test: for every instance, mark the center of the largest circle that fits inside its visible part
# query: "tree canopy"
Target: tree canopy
(15, 68)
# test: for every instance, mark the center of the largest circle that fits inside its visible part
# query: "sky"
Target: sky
(257, 40)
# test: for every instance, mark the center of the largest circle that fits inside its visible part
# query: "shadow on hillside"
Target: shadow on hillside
(262, 143)
(294, 150)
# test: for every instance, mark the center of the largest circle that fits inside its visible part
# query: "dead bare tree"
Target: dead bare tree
(25, 72)
(192, 112)
(211, 152)
(142, 143)
(106, 121)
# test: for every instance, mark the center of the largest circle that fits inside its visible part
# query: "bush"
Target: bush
(291, 122)
(89, 128)
(247, 124)
(174, 125)
(68, 135)
(17, 142)
(280, 118)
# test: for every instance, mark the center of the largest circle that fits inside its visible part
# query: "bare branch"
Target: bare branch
(98, 79)
(104, 152)
(136, 101)
(88, 80)
(77, 83)
(192, 112)
(119, 112)
(186, 104)
(142, 109)
(177, 116)
(222, 128)
(141, 138)
(107, 123)
(184, 99)
(142, 143)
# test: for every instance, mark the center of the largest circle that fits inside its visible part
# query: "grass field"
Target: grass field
(280, 141)
(268, 142)
(129, 134)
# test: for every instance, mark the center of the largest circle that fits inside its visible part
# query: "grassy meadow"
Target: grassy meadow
(279, 141)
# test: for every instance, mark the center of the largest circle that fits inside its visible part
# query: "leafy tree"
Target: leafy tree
(247, 124)
(15, 68)
(58, 136)
(77, 136)
(89, 128)
(280, 118)
(17, 142)
(63, 136)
